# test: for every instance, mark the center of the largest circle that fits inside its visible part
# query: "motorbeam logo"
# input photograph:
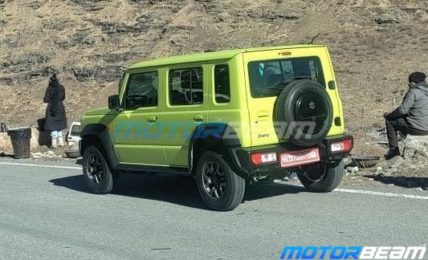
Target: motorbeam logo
(353, 252)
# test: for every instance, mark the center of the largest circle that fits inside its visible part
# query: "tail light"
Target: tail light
(262, 158)
(343, 146)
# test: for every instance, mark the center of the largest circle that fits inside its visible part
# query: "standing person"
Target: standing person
(56, 119)
(411, 117)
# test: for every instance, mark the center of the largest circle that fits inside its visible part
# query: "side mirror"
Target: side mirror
(113, 102)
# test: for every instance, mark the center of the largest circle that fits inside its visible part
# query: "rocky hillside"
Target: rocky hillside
(374, 45)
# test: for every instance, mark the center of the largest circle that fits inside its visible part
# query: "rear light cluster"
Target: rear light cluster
(262, 158)
(343, 146)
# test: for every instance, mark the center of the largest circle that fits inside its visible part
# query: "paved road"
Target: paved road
(45, 213)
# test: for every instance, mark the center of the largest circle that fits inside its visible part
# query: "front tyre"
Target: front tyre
(322, 177)
(97, 174)
(220, 188)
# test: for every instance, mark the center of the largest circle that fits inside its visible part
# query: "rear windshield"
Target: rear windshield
(75, 130)
(268, 78)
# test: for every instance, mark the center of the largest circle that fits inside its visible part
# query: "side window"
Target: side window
(142, 90)
(222, 84)
(186, 86)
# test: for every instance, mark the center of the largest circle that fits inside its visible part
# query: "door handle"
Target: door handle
(152, 119)
(198, 118)
(263, 114)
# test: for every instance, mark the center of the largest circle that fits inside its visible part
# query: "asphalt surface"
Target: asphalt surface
(46, 213)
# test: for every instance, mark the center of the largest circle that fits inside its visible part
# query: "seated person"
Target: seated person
(411, 117)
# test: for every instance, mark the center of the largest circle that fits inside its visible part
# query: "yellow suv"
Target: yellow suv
(227, 118)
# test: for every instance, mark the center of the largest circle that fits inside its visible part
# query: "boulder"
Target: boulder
(387, 18)
(413, 145)
(5, 143)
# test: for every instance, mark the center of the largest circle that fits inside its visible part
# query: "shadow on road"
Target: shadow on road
(5, 155)
(402, 181)
(179, 190)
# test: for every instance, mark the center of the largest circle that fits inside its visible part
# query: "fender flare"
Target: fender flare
(216, 136)
(101, 132)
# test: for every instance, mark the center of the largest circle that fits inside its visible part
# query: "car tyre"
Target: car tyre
(98, 176)
(322, 177)
(294, 108)
(220, 188)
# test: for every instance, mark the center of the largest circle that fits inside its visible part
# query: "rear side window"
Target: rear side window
(268, 78)
(222, 84)
(186, 86)
(142, 90)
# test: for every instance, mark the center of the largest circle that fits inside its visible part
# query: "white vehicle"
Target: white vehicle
(73, 136)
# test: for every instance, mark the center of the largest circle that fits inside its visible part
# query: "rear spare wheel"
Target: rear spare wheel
(305, 108)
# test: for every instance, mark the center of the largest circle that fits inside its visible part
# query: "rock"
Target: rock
(352, 169)
(105, 73)
(293, 176)
(118, 57)
(50, 154)
(25, 62)
(120, 28)
(387, 18)
(34, 4)
(413, 145)
(37, 155)
(379, 169)
(5, 143)
(90, 6)
(271, 15)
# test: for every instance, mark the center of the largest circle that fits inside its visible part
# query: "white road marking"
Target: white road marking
(366, 192)
(41, 166)
(385, 194)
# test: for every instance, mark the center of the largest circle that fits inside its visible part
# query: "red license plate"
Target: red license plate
(298, 158)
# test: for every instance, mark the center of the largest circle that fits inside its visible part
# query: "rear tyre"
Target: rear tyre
(322, 177)
(220, 188)
(97, 174)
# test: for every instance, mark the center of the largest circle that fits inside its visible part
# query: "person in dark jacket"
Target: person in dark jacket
(55, 119)
(411, 117)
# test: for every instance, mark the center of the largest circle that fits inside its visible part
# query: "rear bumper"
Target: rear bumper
(242, 165)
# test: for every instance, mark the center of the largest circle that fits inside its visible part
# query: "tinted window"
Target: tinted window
(222, 84)
(268, 78)
(142, 90)
(186, 86)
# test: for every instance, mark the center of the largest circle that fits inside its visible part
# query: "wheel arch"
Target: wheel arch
(212, 137)
(97, 134)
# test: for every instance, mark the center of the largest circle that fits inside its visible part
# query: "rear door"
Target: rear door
(186, 108)
(265, 70)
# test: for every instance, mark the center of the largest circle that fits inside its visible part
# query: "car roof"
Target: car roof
(209, 56)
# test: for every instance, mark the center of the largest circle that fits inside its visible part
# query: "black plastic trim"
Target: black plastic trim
(150, 168)
(244, 167)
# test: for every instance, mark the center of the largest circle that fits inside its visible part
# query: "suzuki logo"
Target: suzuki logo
(312, 105)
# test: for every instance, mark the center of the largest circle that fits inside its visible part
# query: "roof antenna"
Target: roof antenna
(314, 38)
